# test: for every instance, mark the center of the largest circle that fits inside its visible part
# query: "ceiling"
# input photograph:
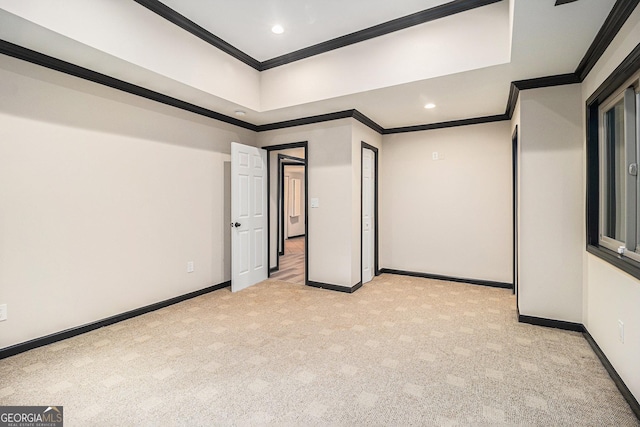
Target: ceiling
(246, 24)
(388, 78)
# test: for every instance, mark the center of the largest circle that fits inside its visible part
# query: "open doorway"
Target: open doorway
(292, 200)
(292, 231)
(288, 212)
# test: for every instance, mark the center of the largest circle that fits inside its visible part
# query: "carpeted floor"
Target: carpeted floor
(400, 351)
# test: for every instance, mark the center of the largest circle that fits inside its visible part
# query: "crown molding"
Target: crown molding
(619, 14)
(512, 100)
(37, 58)
(346, 114)
(623, 72)
(50, 62)
(540, 82)
(442, 11)
(438, 12)
(19, 52)
(306, 120)
(186, 24)
(449, 124)
(367, 122)
(548, 81)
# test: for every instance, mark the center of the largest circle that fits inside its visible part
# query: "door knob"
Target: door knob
(237, 224)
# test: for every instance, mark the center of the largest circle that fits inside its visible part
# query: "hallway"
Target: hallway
(292, 262)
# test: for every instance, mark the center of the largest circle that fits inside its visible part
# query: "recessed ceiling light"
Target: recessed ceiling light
(430, 106)
(277, 29)
(240, 113)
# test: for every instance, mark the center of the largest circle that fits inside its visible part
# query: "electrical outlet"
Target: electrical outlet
(621, 331)
(190, 267)
(3, 312)
(434, 155)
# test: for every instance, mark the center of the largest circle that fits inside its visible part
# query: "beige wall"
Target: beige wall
(329, 156)
(151, 51)
(611, 294)
(360, 134)
(105, 198)
(334, 153)
(551, 206)
(449, 217)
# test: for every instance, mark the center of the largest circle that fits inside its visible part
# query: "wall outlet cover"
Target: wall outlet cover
(3, 312)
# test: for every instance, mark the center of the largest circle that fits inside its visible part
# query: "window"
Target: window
(619, 211)
(612, 178)
(613, 155)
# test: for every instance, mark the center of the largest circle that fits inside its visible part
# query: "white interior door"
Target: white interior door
(248, 216)
(368, 200)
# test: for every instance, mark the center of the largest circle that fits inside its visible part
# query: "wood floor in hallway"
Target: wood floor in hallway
(292, 262)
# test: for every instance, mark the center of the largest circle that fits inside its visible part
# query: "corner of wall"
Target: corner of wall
(550, 184)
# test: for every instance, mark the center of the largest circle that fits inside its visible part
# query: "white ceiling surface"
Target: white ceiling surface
(464, 95)
(471, 40)
(546, 40)
(246, 24)
(550, 40)
(107, 35)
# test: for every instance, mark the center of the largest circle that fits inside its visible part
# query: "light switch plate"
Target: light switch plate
(315, 203)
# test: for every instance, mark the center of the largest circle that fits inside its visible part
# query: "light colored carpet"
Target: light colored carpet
(400, 351)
